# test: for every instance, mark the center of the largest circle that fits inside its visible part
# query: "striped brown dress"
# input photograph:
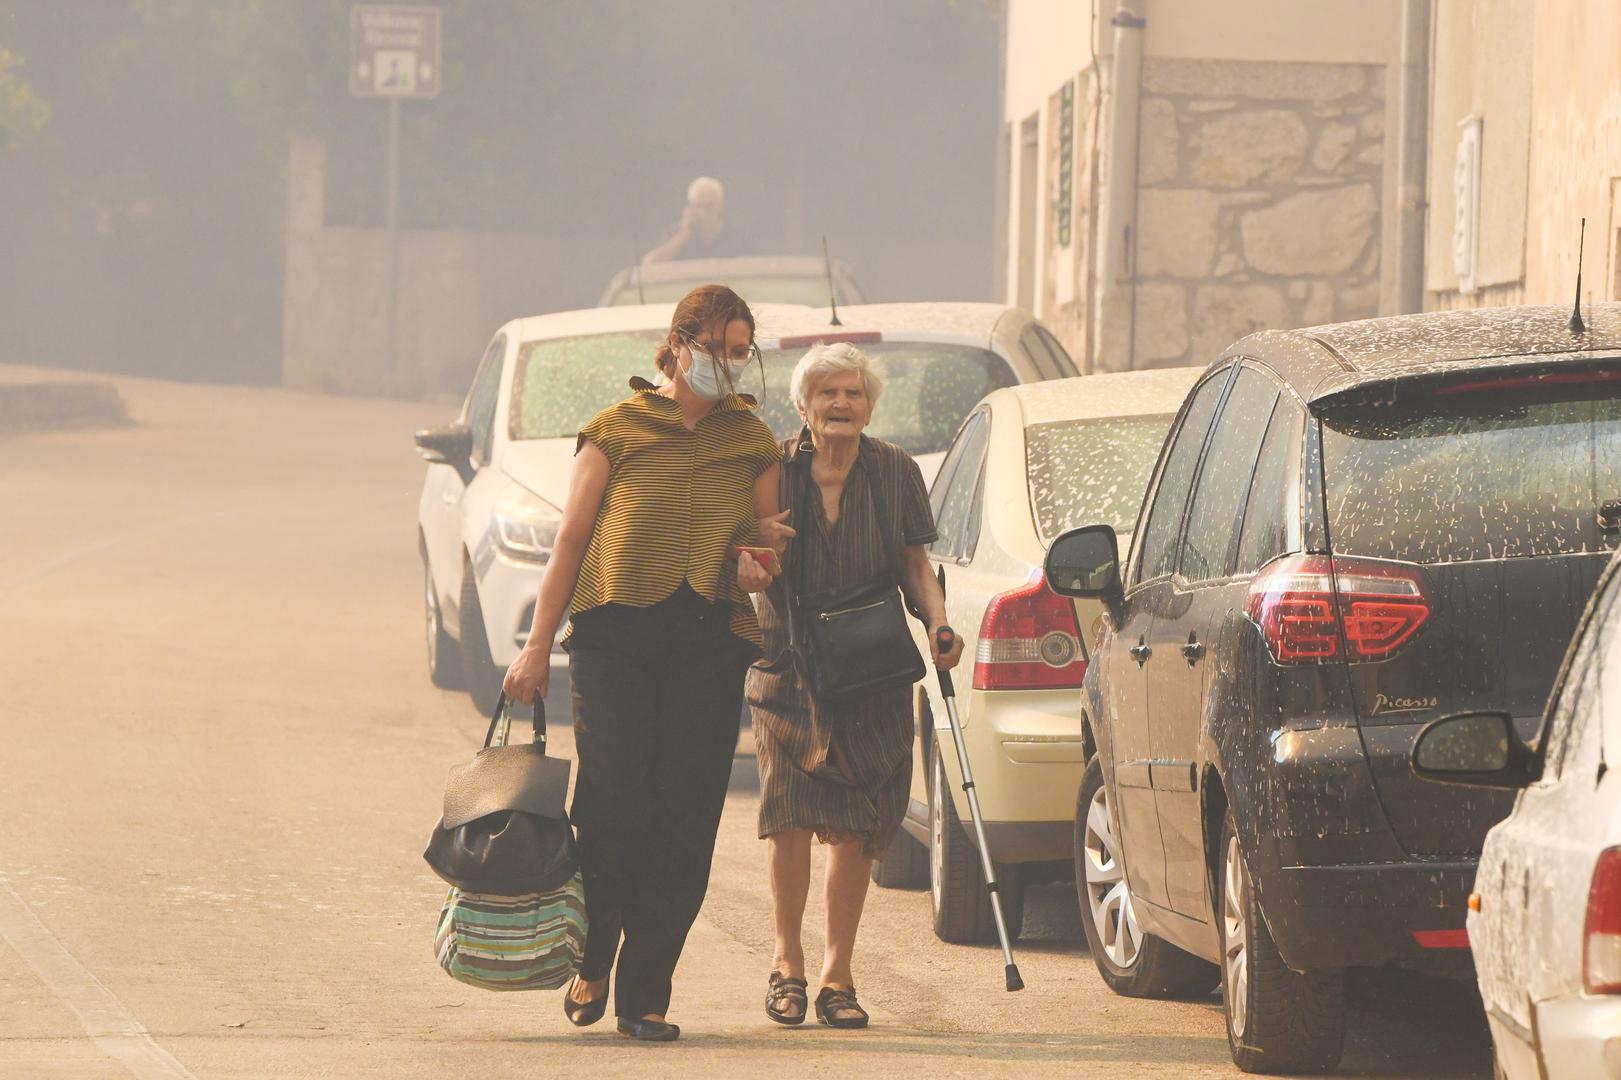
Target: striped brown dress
(843, 770)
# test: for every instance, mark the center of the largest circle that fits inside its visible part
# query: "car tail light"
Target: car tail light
(1532, 382)
(1601, 949)
(1308, 605)
(1029, 640)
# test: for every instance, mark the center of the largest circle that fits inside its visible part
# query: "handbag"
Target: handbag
(504, 828)
(514, 918)
(854, 640)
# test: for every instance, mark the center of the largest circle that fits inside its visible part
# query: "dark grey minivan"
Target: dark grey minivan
(1351, 531)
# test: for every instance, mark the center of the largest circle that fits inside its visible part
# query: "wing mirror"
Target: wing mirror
(1085, 563)
(448, 444)
(1479, 748)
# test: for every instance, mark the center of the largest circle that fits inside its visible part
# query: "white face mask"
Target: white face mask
(703, 377)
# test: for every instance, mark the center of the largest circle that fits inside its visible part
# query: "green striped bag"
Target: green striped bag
(531, 942)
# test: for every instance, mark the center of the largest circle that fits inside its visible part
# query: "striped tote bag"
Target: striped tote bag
(530, 942)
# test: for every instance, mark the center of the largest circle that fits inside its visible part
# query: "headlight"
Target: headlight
(526, 527)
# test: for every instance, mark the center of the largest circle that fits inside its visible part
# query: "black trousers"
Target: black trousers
(657, 696)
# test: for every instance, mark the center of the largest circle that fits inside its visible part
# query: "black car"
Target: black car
(1351, 531)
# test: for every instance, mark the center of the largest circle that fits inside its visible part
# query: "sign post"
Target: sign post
(394, 54)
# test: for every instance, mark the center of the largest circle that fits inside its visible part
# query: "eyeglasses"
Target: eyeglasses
(736, 363)
(738, 359)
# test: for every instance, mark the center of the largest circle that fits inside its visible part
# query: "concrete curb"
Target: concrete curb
(54, 406)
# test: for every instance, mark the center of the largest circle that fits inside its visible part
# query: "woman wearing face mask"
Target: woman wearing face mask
(838, 771)
(665, 485)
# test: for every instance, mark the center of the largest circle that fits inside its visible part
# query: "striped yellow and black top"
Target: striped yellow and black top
(677, 500)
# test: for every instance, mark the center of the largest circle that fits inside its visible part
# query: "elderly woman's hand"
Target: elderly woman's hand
(751, 575)
(947, 660)
(775, 532)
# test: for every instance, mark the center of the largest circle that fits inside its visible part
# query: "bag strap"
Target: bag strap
(875, 488)
(502, 719)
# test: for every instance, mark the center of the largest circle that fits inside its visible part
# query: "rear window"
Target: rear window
(928, 390)
(560, 384)
(1091, 472)
(1488, 470)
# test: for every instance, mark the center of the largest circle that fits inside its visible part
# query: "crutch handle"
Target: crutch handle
(945, 639)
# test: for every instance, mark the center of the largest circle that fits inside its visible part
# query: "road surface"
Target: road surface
(222, 757)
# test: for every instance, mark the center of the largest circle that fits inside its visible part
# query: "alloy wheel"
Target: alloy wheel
(1235, 938)
(1107, 894)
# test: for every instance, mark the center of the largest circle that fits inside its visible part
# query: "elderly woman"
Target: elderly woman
(667, 487)
(840, 771)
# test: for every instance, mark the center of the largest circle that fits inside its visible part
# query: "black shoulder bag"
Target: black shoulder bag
(852, 641)
(504, 829)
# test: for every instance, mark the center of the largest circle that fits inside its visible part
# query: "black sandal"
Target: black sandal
(833, 1001)
(782, 991)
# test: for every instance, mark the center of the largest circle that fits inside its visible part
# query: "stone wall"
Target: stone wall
(1259, 201)
(455, 289)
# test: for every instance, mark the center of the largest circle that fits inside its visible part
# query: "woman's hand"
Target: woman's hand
(948, 660)
(529, 677)
(775, 532)
(751, 575)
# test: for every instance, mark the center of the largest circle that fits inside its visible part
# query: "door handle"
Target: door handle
(1140, 652)
(1193, 650)
(1609, 516)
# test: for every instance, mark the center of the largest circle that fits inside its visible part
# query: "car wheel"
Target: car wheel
(1132, 963)
(444, 665)
(905, 864)
(1278, 1020)
(961, 903)
(478, 667)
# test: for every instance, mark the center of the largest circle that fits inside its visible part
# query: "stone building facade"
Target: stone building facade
(1262, 173)
(1259, 201)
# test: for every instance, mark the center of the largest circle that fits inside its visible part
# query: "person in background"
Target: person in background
(840, 772)
(667, 486)
(704, 231)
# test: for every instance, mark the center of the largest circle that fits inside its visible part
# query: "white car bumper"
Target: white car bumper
(1581, 1036)
(507, 589)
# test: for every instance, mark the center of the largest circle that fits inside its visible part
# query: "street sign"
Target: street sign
(394, 51)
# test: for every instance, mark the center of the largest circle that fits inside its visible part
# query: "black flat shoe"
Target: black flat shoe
(648, 1030)
(838, 1008)
(587, 1013)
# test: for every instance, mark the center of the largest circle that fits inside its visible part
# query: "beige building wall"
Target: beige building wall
(1262, 169)
(1544, 79)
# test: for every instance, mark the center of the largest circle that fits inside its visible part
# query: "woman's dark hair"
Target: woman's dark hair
(702, 308)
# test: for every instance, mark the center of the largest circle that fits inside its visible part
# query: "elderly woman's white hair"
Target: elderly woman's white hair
(833, 358)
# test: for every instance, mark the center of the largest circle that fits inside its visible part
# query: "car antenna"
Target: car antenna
(636, 267)
(832, 302)
(1576, 324)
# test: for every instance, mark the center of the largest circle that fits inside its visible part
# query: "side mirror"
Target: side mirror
(1085, 563)
(1480, 748)
(448, 444)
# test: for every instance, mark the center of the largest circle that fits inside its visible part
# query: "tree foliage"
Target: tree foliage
(22, 112)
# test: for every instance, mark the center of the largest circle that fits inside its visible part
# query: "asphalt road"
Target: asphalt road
(222, 757)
